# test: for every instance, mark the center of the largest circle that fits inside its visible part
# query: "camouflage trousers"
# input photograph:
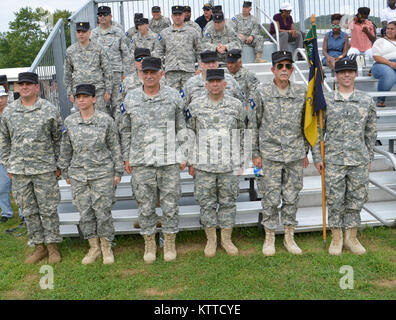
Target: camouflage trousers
(280, 185)
(346, 193)
(216, 188)
(38, 197)
(94, 199)
(116, 95)
(257, 43)
(177, 79)
(145, 181)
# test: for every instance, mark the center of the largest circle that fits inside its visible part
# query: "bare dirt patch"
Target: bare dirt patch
(152, 292)
(186, 248)
(386, 283)
(22, 287)
(248, 252)
(131, 272)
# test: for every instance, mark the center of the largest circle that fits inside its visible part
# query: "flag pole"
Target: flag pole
(322, 153)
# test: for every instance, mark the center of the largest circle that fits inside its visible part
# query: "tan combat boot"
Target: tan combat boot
(169, 247)
(259, 59)
(352, 243)
(288, 241)
(269, 243)
(226, 242)
(94, 251)
(40, 252)
(211, 244)
(108, 257)
(335, 248)
(53, 253)
(150, 248)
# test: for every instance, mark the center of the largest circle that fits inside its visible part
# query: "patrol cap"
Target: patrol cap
(156, 9)
(207, 6)
(29, 77)
(187, 8)
(3, 79)
(84, 26)
(142, 21)
(177, 9)
(3, 92)
(280, 56)
(137, 17)
(142, 52)
(104, 9)
(233, 55)
(346, 64)
(218, 17)
(217, 9)
(151, 63)
(88, 89)
(214, 74)
(208, 56)
(247, 4)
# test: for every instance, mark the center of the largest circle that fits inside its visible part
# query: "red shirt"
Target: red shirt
(359, 39)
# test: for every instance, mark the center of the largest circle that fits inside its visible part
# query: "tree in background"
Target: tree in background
(27, 34)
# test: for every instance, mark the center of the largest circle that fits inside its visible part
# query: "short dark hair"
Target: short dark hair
(364, 11)
(336, 16)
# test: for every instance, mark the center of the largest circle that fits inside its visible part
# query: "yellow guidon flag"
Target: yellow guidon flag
(315, 100)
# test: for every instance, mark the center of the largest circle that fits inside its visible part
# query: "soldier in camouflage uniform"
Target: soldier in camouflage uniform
(246, 79)
(134, 30)
(189, 22)
(195, 86)
(30, 136)
(116, 45)
(87, 62)
(179, 47)
(91, 161)
(149, 113)
(280, 149)
(218, 9)
(249, 30)
(144, 38)
(350, 134)
(215, 116)
(158, 22)
(221, 38)
(4, 83)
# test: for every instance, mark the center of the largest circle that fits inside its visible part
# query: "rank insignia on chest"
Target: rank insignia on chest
(208, 35)
(63, 128)
(233, 19)
(122, 108)
(120, 87)
(159, 37)
(252, 104)
(126, 33)
(188, 114)
(131, 40)
(182, 93)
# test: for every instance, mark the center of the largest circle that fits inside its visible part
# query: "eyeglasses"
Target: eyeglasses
(335, 26)
(105, 14)
(139, 59)
(281, 65)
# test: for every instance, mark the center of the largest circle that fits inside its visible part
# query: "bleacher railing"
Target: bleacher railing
(123, 10)
(49, 67)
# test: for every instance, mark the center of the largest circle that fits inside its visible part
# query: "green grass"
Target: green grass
(314, 275)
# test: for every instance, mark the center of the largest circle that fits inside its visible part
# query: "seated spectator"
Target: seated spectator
(362, 34)
(287, 33)
(335, 43)
(388, 15)
(384, 68)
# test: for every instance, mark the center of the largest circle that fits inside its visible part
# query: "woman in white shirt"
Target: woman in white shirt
(384, 68)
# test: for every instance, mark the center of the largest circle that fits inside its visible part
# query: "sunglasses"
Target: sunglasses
(139, 59)
(103, 14)
(281, 65)
(335, 26)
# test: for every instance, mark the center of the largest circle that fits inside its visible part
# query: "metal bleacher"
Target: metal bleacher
(380, 209)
